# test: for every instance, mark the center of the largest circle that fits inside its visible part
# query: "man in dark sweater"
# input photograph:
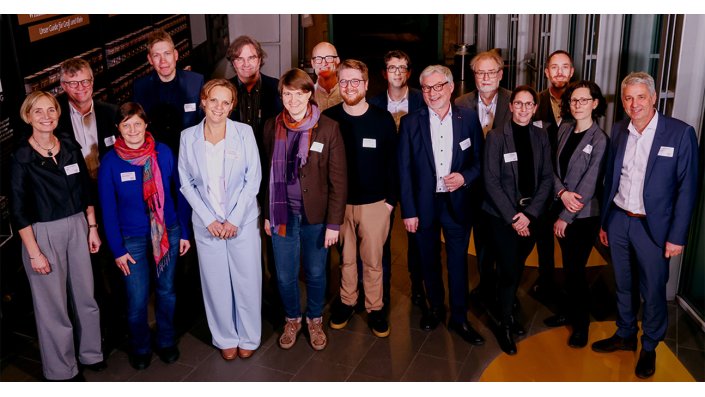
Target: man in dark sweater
(369, 134)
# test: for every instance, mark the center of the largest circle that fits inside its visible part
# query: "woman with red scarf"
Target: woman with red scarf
(137, 181)
(305, 201)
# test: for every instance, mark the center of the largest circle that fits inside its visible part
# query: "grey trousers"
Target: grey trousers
(64, 243)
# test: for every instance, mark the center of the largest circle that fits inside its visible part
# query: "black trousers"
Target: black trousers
(512, 251)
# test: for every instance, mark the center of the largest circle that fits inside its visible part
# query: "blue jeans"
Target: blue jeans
(137, 287)
(308, 240)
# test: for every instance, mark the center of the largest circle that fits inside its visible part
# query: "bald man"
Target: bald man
(325, 61)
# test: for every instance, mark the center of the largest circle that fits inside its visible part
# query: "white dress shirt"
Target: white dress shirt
(442, 142)
(630, 193)
(85, 130)
(215, 162)
(398, 108)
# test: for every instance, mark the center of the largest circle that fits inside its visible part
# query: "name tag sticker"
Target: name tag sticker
(465, 144)
(71, 169)
(587, 149)
(231, 154)
(538, 123)
(189, 107)
(317, 147)
(510, 157)
(109, 141)
(665, 151)
(127, 176)
(369, 142)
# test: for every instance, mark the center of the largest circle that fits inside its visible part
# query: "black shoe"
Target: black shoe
(340, 315)
(431, 318)
(465, 330)
(168, 354)
(557, 320)
(96, 367)
(579, 338)
(378, 323)
(614, 343)
(140, 361)
(646, 366)
(516, 327)
(506, 339)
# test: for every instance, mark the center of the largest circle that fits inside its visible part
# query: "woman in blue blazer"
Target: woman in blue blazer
(577, 179)
(220, 176)
(518, 178)
(136, 182)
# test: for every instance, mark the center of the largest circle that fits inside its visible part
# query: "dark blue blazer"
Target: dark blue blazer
(417, 169)
(415, 100)
(670, 182)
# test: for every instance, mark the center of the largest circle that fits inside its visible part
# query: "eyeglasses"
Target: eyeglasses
(437, 87)
(74, 84)
(250, 59)
(487, 73)
(353, 82)
(400, 69)
(581, 101)
(327, 58)
(519, 104)
(286, 95)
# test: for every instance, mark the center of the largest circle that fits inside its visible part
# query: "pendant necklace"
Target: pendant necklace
(48, 150)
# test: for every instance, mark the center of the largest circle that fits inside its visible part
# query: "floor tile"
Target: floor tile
(317, 370)
(426, 368)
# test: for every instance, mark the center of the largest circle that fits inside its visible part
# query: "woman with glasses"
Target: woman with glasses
(220, 173)
(518, 179)
(305, 196)
(136, 182)
(577, 180)
(51, 204)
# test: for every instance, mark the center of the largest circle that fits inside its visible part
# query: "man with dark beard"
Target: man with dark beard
(370, 140)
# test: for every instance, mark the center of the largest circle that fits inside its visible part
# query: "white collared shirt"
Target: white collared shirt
(215, 163)
(442, 142)
(398, 108)
(326, 99)
(487, 112)
(630, 193)
(85, 130)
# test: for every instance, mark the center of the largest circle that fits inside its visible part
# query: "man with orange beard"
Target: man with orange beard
(325, 61)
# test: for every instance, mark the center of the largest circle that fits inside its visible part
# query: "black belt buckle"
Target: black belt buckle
(524, 202)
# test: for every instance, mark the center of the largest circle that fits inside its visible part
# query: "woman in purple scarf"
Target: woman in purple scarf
(306, 193)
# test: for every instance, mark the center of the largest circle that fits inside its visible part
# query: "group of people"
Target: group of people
(266, 175)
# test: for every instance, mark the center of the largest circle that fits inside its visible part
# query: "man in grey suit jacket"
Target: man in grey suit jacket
(650, 189)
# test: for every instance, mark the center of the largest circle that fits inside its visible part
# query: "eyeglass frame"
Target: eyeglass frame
(321, 59)
(490, 73)
(354, 82)
(436, 87)
(395, 68)
(581, 101)
(518, 105)
(75, 83)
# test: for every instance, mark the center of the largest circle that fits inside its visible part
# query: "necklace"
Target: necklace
(48, 150)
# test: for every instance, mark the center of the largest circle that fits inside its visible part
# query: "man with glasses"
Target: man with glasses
(439, 156)
(325, 61)
(92, 124)
(370, 140)
(491, 102)
(559, 70)
(169, 96)
(400, 99)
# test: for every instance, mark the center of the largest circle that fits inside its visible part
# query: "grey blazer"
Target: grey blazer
(502, 113)
(585, 169)
(501, 174)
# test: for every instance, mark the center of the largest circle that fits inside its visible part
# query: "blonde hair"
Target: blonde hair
(32, 99)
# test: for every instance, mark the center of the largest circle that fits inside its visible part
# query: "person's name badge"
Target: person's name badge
(189, 107)
(71, 169)
(665, 151)
(587, 149)
(317, 147)
(464, 144)
(127, 176)
(369, 143)
(510, 157)
(109, 141)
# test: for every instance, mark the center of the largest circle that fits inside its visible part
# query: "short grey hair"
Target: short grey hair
(639, 78)
(429, 70)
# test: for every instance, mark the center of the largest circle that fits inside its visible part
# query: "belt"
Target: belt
(524, 202)
(633, 215)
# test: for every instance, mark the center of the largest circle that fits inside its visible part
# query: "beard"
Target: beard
(353, 100)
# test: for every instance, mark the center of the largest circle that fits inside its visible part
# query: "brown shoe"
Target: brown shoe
(319, 341)
(292, 327)
(244, 353)
(229, 354)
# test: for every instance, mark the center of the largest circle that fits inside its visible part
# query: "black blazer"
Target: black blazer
(270, 103)
(545, 114)
(502, 114)
(105, 114)
(416, 101)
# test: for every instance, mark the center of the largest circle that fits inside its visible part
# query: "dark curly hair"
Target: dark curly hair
(595, 93)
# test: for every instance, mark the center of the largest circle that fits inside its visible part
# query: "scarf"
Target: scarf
(152, 192)
(278, 212)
